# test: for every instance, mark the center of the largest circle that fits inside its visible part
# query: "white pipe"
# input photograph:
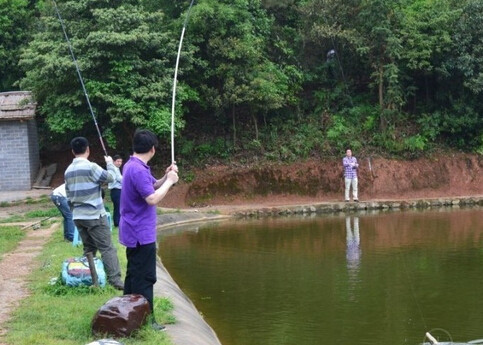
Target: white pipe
(431, 338)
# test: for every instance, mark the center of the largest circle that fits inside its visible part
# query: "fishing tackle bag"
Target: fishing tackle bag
(76, 272)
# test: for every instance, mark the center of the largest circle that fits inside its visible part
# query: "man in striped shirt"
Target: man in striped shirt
(83, 180)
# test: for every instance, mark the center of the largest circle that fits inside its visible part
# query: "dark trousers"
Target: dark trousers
(141, 271)
(116, 201)
(96, 236)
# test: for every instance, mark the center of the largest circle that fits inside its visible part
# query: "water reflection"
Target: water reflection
(353, 250)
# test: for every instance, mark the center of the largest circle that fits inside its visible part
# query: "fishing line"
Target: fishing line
(175, 80)
(79, 75)
(411, 285)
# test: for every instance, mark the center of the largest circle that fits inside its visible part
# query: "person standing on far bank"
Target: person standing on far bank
(350, 175)
(141, 192)
(115, 188)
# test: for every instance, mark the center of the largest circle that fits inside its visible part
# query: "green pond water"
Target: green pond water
(384, 278)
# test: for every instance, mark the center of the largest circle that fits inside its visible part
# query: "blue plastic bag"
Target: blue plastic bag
(76, 272)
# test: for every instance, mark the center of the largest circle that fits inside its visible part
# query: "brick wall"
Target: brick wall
(33, 145)
(19, 155)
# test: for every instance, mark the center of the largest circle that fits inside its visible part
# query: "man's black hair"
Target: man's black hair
(143, 141)
(116, 157)
(79, 145)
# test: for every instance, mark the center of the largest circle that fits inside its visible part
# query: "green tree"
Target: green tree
(468, 38)
(236, 78)
(380, 43)
(426, 32)
(461, 99)
(126, 56)
(15, 19)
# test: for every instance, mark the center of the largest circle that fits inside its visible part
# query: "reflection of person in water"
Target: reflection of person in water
(353, 253)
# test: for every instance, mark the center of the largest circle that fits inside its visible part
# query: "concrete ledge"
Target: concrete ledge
(336, 207)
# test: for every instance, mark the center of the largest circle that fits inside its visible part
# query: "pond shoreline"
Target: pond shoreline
(336, 207)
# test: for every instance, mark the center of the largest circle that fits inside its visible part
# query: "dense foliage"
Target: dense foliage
(282, 79)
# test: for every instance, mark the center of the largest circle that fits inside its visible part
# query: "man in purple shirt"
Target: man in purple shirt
(141, 192)
(350, 175)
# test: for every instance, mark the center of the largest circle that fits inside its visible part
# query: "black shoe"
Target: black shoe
(157, 327)
(347, 200)
(118, 286)
(356, 200)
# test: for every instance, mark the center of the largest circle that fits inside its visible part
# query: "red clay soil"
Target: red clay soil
(322, 180)
(443, 175)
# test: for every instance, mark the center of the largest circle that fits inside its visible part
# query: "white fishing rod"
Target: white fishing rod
(79, 75)
(176, 80)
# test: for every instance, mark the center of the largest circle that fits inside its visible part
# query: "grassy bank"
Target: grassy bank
(10, 236)
(55, 314)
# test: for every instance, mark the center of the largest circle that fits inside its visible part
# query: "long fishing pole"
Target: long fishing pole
(176, 80)
(79, 75)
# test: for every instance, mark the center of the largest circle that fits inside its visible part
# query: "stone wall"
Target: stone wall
(33, 148)
(19, 155)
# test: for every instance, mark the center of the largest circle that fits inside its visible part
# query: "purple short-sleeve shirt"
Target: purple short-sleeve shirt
(138, 218)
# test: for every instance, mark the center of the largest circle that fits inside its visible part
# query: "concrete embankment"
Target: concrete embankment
(336, 207)
(190, 328)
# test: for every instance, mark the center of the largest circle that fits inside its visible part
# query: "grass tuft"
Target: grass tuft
(10, 236)
(52, 212)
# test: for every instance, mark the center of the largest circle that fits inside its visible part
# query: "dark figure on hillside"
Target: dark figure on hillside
(59, 198)
(83, 180)
(350, 175)
(141, 192)
(115, 188)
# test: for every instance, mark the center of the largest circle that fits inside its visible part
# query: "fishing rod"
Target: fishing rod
(176, 79)
(79, 75)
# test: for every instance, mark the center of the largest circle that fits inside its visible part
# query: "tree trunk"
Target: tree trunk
(381, 98)
(381, 87)
(234, 126)
(426, 86)
(255, 124)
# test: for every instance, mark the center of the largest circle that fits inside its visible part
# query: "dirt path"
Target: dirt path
(15, 266)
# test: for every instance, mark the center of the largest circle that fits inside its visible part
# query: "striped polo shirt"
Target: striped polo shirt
(83, 181)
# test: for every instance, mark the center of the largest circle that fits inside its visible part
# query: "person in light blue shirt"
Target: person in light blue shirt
(115, 188)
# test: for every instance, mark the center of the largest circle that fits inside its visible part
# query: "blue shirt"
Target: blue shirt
(116, 184)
